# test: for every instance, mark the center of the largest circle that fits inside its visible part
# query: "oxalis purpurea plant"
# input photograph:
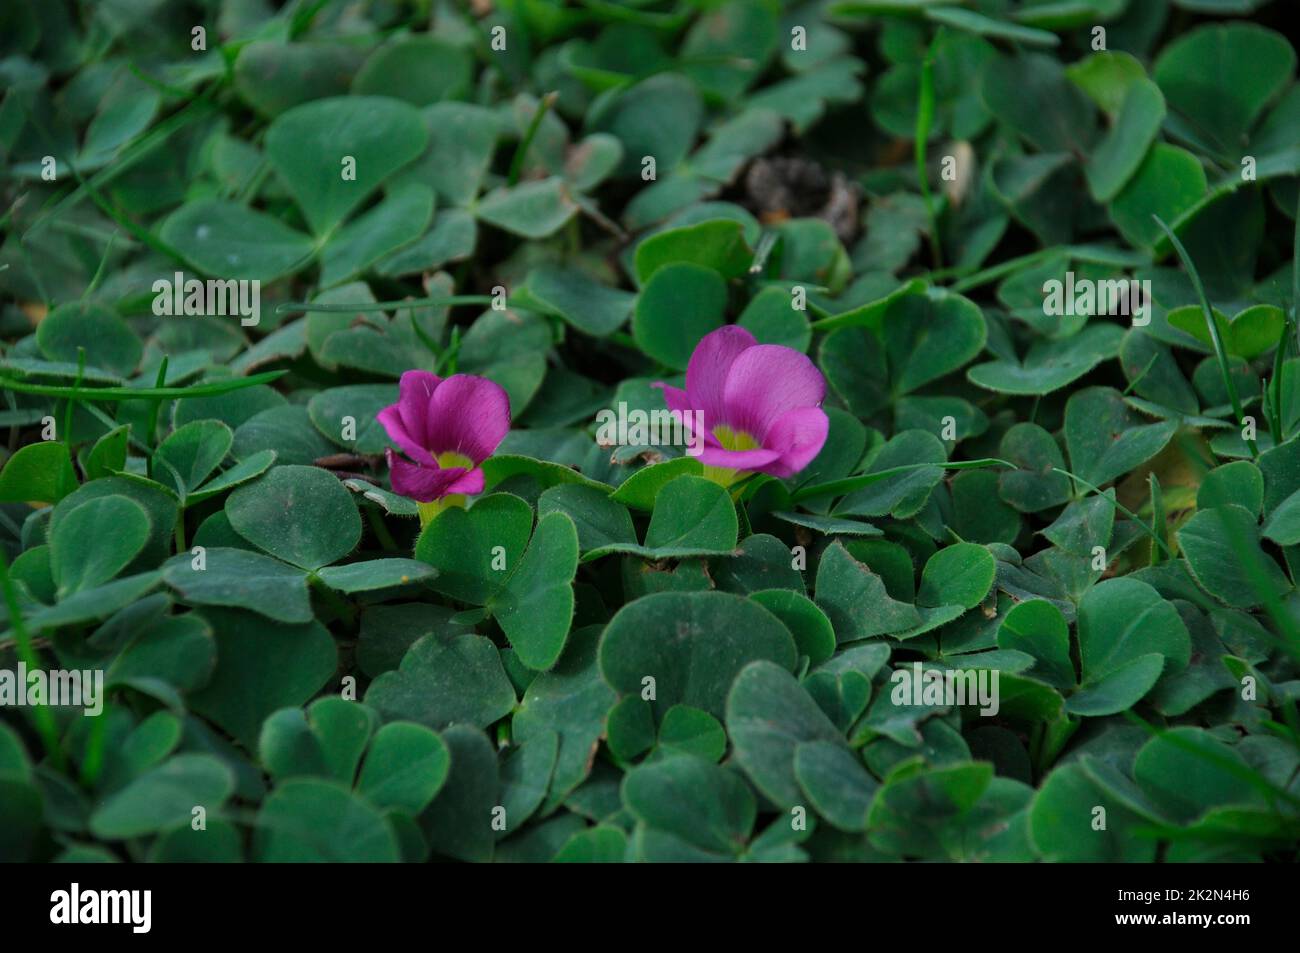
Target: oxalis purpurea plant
(661, 432)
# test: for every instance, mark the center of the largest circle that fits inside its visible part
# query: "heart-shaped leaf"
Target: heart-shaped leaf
(717, 245)
(687, 647)
(331, 154)
(262, 666)
(1222, 549)
(708, 807)
(1121, 623)
(302, 515)
(680, 304)
(397, 221)
(476, 550)
(191, 452)
(1106, 438)
(854, 599)
(535, 609)
(164, 797)
(95, 541)
(405, 767)
(1037, 628)
(443, 680)
(327, 740)
(1223, 76)
(230, 241)
(571, 700)
(108, 341)
(308, 820)
(38, 473)
(241, 579)
(1186, 771)
(459, 821)
(769, 716)
(836, 783)
(928, 336)
(531, 209)
(961, 574)
(1118, 156)
(584, 302)
(599, 520)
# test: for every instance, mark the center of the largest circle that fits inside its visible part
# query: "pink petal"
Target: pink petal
(706, 373)
(798, 436)
(679, 404)
(767, 381)
(391, 420)
(468, 415)
(471, 483)
(414, 392)
(737, 459)
(423, 484)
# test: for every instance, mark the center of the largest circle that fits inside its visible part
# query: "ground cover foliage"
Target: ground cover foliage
(595, 649)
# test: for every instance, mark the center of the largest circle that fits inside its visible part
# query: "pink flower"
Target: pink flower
(448, 427)
(760, 405)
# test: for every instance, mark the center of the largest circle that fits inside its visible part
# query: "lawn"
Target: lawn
(659, 430)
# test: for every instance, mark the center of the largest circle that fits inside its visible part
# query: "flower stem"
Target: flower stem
(1212, 327)
(924, 122)
(207, 389)
(1119, 506)
(340, 607)
(430, 510)
(381, 532)
(403, 304)
(71, 404)
(526, 143)
(152, 435)
(1292, 318)
(44, 717)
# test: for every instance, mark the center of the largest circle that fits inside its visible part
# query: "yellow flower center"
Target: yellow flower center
(453, 459)
(429, 510)
(730, 440)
